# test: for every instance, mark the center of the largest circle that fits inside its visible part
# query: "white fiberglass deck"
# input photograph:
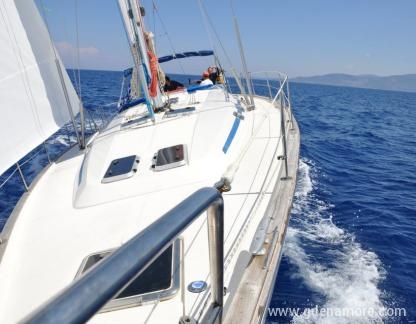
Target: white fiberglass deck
(70, 214)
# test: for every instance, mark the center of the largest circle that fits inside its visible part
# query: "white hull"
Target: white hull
(70, 214)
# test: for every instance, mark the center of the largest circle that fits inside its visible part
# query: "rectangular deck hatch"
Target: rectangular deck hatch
(170, 157)
(136, 121)
(179, 111)
(158, 282)
(122, 168)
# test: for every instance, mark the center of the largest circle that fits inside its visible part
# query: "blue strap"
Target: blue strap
(146, 74)
(199, 87)
(131, 103)
(231, 135)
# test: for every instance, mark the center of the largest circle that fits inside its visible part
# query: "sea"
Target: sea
(350, 249)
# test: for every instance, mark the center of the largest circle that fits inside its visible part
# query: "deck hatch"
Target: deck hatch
(170, 157)
(136, 121)
(160, 281)
(122, 168)
(179, 111)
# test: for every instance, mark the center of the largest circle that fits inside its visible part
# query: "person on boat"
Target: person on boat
(205, 79)
(171, 85)
(213, 74)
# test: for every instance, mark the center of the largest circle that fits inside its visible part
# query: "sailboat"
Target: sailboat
(176, 211)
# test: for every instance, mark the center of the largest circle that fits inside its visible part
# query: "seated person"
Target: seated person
(171, 85)
(213, 74)
(205, 79)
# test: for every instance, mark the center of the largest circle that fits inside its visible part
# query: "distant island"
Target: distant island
(405, 82)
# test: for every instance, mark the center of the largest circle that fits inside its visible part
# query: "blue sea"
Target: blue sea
(351, 241)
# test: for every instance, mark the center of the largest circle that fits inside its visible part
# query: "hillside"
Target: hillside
(405, 82)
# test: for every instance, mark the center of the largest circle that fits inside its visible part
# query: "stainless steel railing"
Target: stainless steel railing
(95, 121)
(272, 84)
(81, 300)
(266, 83)
(18, 178)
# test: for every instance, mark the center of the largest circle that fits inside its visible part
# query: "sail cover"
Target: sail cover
(33, 104)
(168, 58)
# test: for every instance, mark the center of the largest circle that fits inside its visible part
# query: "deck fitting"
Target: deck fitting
(224, 185)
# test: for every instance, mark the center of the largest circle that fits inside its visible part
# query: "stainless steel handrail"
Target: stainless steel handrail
(281, 99)
(81, 300)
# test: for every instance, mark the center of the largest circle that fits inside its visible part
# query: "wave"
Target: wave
(329, 260)
(62, 139)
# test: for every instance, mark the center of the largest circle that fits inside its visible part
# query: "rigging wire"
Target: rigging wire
(155, 10)
(78, 50)
(204, 13)
(208, 23)
(80, 138)
(45, 19)
(81, 106)
(249, 83)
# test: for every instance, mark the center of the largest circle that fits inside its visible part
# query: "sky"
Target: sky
(298, 37)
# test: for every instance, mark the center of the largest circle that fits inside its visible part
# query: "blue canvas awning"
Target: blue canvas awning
(168, 58)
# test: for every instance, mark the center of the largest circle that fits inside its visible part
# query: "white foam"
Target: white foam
(304, 183)
(346, 275)
(63, 140)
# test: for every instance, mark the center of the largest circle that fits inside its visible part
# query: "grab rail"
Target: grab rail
(81, 300)
(282, 99)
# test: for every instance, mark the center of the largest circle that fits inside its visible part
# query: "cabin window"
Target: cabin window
(159, 281)
(170, 157)
(121, 168)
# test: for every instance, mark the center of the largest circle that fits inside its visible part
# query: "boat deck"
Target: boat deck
(70, 207)
(254, 293)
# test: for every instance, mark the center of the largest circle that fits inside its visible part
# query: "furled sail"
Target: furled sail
(142, 48)
(35, 90)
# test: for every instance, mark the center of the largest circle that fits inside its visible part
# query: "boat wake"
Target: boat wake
(329, 261)
(64, 140)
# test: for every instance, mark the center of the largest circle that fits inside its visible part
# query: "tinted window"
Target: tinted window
(158, 276)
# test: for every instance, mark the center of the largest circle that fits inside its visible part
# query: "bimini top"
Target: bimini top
(168, 58)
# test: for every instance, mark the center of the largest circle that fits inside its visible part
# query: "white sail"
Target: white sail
(33, 103)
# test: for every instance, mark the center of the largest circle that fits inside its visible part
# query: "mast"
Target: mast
(148, 48)
(133, 22)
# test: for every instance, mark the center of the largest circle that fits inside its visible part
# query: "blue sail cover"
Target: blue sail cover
(168, 58)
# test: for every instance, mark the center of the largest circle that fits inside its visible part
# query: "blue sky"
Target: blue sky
(299, 37)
